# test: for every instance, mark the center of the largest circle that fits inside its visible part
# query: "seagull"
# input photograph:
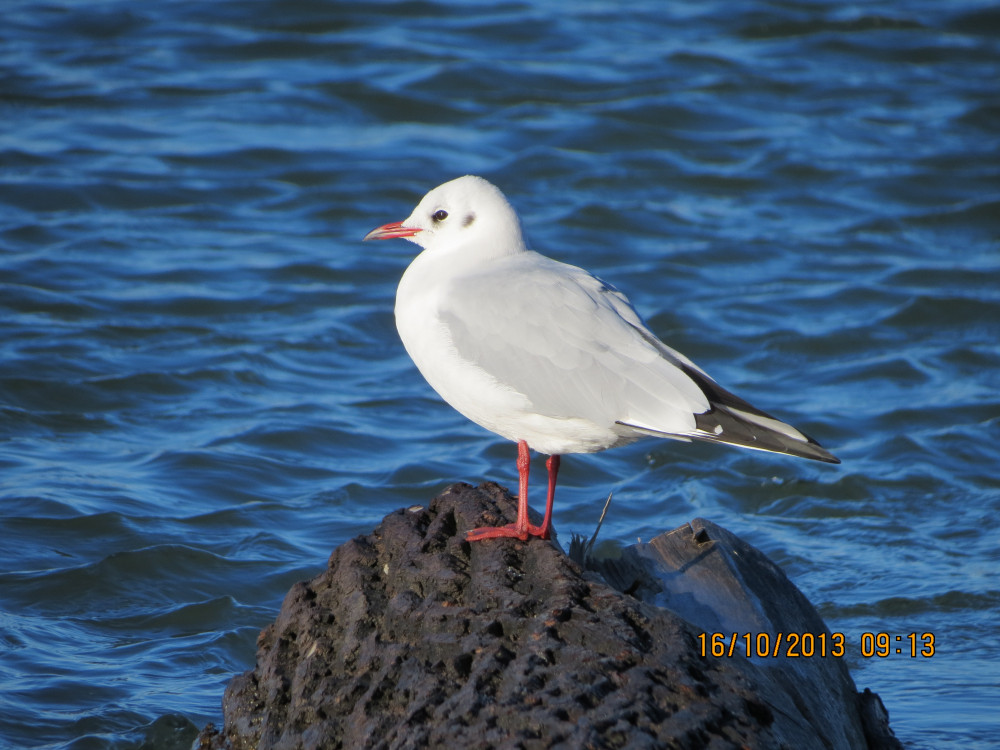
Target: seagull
(547, 355)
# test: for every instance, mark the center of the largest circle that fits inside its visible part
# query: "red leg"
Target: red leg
(521, 528)
(523, 468)
(552, 464)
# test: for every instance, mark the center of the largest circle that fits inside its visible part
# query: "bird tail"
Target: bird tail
(755, 430)
(732, 420)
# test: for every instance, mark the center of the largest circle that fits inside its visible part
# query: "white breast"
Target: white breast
(424, 305)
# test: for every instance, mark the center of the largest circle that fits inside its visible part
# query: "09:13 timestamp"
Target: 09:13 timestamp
(885, 644)
(809, 645)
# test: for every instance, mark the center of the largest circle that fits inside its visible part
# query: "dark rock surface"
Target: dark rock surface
(721, 584)
(415, 638)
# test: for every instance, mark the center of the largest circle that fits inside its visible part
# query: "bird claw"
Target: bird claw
(510, 531)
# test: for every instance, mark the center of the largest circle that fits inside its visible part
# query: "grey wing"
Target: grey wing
(571, 344)
(576, 348)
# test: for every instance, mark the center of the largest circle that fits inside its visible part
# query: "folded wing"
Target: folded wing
(575, 348)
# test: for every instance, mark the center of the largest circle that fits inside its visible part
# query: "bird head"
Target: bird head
(468, 214)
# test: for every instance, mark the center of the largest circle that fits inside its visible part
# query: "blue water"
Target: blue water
(201, 387)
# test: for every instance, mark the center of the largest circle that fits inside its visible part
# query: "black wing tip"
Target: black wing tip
(811, 450)
(817, 452)
(758, 439)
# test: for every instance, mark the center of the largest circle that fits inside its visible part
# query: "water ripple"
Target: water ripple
(202, 391)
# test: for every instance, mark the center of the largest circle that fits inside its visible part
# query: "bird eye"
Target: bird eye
(440, 215)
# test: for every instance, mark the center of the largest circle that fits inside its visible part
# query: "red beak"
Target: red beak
(391, 232)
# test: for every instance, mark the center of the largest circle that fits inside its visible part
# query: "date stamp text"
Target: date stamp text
(811, 645)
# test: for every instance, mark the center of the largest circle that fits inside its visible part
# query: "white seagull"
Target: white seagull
(547, 355)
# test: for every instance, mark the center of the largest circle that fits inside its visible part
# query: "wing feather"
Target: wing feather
(576, 348)
(570, 343)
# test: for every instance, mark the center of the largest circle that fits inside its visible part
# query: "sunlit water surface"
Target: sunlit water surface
(201, 387)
